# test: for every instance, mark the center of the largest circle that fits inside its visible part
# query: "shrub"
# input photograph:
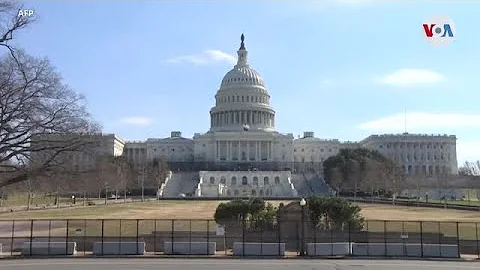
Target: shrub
(255, 213)
(335, 213)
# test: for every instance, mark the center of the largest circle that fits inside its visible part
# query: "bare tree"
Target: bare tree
(11, 22)
(34, 102)
(470, 168)
(124, 175)
(158, 170)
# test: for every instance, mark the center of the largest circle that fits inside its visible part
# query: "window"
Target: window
(212, 180)
(254, 192)
(266, 181)
(244, 181)
(277, 180)
(223, 180)
(255, 180)
(234, 181)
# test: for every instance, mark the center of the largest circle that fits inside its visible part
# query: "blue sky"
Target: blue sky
(342, 68)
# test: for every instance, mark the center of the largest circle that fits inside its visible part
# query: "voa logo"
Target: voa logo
(439, 30)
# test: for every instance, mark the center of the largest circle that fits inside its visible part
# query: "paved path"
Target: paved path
(231, 264)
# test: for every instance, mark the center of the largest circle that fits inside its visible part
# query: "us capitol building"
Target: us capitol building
(242, 147)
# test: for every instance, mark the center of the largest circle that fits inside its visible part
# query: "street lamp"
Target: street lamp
(303, 202)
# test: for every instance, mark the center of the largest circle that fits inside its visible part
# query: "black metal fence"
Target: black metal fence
(16, 235)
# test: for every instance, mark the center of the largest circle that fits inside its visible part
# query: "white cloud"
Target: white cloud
(208, 57)
(405, 77)
(137, 121)
(422, 121)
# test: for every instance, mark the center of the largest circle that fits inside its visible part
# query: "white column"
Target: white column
(229, 150)
(270, 151)
(248, 150)
(239, 149)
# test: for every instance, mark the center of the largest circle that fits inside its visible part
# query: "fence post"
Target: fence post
(261, 240)
(350, 245)
(172, 237)
(85, 237)
(385, 236)
(208, 234)
(421, 238)
(243, 236)
(66, 238)
(137, 232)
(103, 228)
(49, 234)
(31, 236)
(120, 237)
(314, 228)
(368, 240)
(190, 235)
(458, 241)
(279, 236)
(331, 242)
(13, 238)
(476, 237)
(154, 236)
(440, 237)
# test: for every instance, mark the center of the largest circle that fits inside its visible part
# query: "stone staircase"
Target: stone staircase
(181, 183)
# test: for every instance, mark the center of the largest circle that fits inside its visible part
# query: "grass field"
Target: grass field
(205, 210)
(120, 219)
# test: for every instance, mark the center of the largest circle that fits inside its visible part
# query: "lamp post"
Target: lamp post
(303, 202)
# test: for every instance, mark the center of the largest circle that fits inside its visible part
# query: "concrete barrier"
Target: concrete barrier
(49, 248)
(258, 249)
(119, 248)
(404, 250)
(190, 248)
(441, 251)
(329, 249)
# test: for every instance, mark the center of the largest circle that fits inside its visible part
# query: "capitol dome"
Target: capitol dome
(242, 100)
(242, 75)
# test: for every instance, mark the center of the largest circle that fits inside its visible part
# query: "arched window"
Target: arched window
(244, 180)
(255, 181)
(223, 180)
(212, 180)
(277, 180)
(265, 181)
(234, 181)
